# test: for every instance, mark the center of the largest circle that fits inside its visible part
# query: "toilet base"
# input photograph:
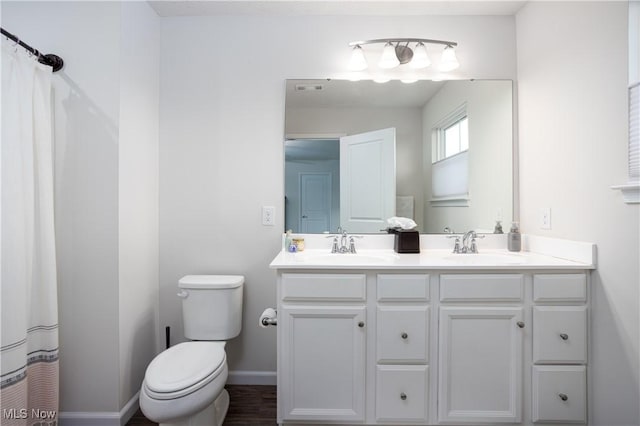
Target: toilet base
(212, 415)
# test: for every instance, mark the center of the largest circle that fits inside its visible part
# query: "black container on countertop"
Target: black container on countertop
(406, 240)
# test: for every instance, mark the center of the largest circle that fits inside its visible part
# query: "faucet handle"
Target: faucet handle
(474, 246)
(352, 245)
(456, 245)
(334, 244)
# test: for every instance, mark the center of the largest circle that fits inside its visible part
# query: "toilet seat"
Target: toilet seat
(184, 369)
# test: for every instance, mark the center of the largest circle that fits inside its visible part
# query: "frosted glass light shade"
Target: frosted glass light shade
(449, 62)
(420, 57)
(388, 58)
(357, 62)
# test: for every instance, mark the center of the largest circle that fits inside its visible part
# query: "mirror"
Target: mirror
(453, 154)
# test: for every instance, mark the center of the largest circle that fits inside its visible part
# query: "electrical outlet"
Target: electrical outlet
(545, 218)
(268, 215)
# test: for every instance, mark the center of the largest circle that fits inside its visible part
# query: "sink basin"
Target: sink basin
(324, 258)
(486, 259)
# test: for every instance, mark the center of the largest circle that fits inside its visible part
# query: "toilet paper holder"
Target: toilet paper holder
(269, 321)
(268, 317)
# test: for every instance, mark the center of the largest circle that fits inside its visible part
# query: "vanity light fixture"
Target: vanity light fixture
(400, 51)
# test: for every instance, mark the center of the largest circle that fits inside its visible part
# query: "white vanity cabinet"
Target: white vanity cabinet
(321, 355)
(559, 375)
(402, 348)
(480, 344)
(432, 346)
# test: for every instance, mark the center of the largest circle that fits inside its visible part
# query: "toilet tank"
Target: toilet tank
(211, 306)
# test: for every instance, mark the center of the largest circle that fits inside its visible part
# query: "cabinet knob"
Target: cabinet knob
(564, 336)
(563, 396)
(520, 324)
(404, 335)
(403, 396)
(361, 324)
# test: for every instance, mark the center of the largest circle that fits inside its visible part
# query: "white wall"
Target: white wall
(572, 82)
(105, 191)
(489, 108)
(138, 193)
(221, 139)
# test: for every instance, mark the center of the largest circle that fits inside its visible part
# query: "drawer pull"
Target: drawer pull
(563, 396)
(564, 336)
(403, 396)
(404, 335)
(361, 324)
(520, 324)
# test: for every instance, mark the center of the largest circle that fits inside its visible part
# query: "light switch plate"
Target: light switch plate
(268, 215)
(545, 218)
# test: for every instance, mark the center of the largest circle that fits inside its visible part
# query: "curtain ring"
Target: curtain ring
(15, 45)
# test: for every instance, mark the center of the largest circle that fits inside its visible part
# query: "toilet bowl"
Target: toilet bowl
(183, 380)
(184, 385)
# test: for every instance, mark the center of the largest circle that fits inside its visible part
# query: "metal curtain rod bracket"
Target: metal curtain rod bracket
(54, 61)
(403, 40)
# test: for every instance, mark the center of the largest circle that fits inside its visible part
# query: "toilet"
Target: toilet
(184, 385)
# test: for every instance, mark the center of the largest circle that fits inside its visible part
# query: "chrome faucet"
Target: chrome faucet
(470, 246)
(468, 243)
(344, 240)
(465, 241)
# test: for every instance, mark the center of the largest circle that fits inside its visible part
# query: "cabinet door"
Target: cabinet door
(322, 362)
(480, 365)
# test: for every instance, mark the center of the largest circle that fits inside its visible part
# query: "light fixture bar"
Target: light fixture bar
(403, 40)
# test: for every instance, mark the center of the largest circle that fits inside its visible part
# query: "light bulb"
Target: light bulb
(420, 57)
(357, 62)
(449, 62)
(381, 79)
(388, 58)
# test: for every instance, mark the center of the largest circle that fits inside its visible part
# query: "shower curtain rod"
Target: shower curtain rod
(49, 59)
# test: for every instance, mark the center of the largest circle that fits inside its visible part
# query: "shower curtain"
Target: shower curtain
(28, 294)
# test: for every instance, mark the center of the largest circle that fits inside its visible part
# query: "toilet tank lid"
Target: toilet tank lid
(210, 281)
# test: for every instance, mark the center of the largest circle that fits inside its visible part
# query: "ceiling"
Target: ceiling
(329, 7)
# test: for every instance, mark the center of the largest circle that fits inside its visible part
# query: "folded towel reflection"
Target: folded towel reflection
(401, 222)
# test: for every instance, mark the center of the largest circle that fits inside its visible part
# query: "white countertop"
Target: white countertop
(376, 252)
(429, 259)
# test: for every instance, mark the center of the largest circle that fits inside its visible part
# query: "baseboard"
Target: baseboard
(129, 409)
(97, 418)
(252, 378)
(89, 418)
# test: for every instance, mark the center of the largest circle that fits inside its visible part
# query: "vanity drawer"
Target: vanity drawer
(559, 288)
(484, 287)
(403, 287)
(560, 334)
(402, 393)
(559, 394)
(402, 334)
(327, 287)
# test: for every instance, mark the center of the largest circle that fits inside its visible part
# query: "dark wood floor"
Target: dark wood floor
(250, 405)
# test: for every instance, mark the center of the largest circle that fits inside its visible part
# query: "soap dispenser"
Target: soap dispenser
(514, 240)
(498, 228)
